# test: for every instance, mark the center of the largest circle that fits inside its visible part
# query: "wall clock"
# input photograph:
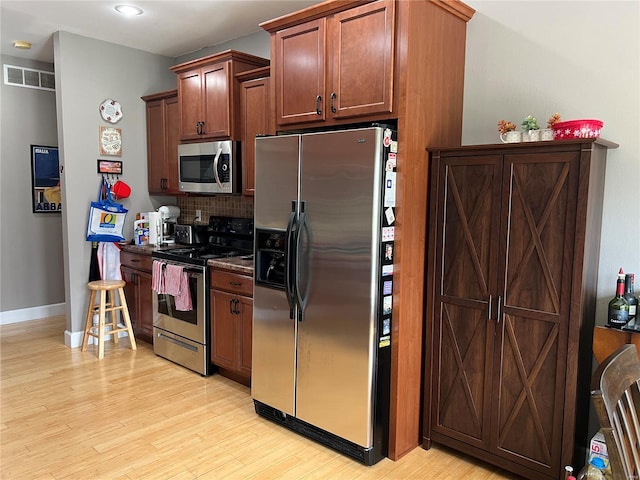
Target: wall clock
(111, 111)
(110, 141)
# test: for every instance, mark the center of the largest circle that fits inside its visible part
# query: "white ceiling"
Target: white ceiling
(170, 28)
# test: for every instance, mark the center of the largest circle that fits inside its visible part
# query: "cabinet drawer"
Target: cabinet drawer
(135, 260)
(240, 284)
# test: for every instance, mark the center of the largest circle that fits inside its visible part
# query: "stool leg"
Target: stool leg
(127, 319)
(114, 316)
(89, 323)
(101, 315)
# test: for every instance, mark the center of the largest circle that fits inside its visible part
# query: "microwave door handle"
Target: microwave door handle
(215, 167)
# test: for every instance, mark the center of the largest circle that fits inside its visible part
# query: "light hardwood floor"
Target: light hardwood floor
(67, 415)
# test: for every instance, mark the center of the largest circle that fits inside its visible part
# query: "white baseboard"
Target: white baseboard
(33, 313)
(74, 339)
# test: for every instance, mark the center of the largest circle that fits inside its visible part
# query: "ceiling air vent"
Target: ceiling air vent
(29, 78)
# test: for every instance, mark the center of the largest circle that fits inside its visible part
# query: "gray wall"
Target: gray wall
(89, 71)
(256, 44)
(581, 59)
(31, 278)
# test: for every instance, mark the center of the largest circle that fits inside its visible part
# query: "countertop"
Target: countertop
(235, 264)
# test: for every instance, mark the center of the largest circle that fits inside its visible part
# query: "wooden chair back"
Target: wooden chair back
(615, 390)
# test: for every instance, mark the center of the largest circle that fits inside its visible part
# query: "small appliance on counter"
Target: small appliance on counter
(169, 218)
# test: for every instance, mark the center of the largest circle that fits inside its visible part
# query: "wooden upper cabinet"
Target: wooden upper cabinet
(162, 142)
(362, 44)
(300, 73)
(208, 95)
(216, 104)
(336, 67)
(255, 117)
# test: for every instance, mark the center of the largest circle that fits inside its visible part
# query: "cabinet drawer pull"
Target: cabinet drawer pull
(489, 309)
(235, 284)
(318, 101)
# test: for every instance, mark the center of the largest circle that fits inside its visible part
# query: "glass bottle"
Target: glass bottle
(618, 314)
(568, 473)
(629, 295)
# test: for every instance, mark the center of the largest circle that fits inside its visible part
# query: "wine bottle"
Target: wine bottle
(630, 296)
(618, 315)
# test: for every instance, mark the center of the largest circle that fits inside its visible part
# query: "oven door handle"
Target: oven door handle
(215, 167)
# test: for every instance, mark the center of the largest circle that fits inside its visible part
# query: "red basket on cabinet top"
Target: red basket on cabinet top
(577, 129)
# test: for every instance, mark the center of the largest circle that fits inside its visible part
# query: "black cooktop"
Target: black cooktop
(227, 237)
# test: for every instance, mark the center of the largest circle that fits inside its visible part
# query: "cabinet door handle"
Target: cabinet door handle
(318, 101)
(231, 309)
(489, 307)
(333, 99)
(498, 317)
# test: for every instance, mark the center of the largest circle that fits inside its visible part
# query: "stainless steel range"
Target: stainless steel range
(183, 335)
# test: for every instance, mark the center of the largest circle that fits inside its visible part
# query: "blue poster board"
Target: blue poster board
(45, 179)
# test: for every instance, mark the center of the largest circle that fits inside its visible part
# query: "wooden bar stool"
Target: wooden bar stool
(107, 288)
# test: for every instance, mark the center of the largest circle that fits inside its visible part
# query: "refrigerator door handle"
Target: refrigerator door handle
(301, 302)
(290, 262)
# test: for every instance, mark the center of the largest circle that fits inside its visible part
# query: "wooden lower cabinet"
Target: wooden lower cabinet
(136, 271)
(511, 290)
(231, 323)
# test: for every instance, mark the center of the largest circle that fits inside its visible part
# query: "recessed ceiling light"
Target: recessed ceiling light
(128, 10)
(22, 44)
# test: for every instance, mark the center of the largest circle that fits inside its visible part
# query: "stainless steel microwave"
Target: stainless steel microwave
(210, 168)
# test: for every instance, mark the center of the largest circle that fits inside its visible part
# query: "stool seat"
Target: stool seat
(106, 304)
(106, 284)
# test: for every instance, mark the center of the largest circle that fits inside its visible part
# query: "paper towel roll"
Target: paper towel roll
(155, 228)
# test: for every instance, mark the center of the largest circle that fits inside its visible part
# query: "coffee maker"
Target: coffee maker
(169, 217)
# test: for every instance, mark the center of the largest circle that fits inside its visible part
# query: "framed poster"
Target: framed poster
(45, 179)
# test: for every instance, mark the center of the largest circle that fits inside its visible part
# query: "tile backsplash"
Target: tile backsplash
(228, 206)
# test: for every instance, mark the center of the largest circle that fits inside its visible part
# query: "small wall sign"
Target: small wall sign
(113, 167)
(110, 139)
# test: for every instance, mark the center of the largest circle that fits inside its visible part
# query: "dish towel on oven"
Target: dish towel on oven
(176, 283)
(157, 276)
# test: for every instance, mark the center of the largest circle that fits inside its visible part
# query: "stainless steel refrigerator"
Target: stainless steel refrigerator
(322, 320)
